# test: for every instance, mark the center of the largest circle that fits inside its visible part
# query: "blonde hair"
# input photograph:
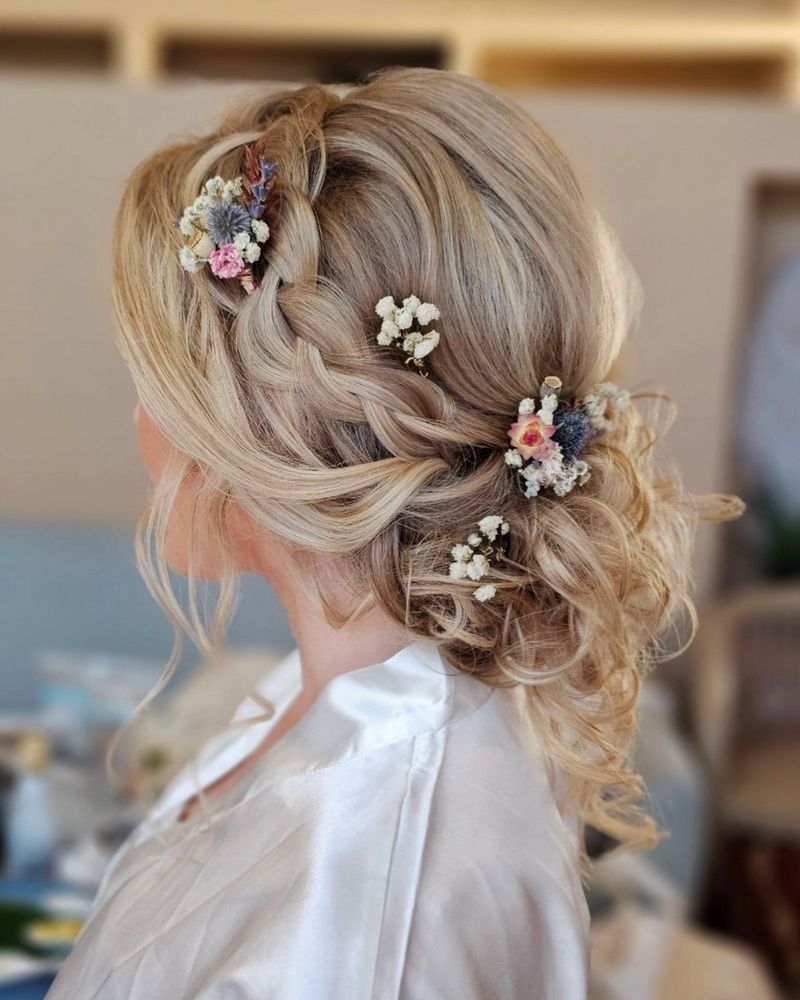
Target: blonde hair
(426, 182)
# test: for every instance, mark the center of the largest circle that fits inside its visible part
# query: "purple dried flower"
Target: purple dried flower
(573, 431)
(268, 169)
(224, 220)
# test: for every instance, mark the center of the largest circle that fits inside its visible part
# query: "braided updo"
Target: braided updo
(426, 182)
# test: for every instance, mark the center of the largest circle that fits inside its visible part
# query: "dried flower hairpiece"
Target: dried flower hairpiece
(401, 328)
(225, 225)
(547, 441)
(472, 561)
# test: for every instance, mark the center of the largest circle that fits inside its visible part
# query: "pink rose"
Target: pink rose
(226, 262)
(530, 436)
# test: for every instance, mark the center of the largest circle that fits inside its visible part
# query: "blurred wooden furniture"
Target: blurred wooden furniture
(747, 719)
(747, 46)
(746, 708)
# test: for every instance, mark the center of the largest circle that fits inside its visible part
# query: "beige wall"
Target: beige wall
(676, 178)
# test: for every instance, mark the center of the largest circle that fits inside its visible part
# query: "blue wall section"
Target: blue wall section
(76, 588)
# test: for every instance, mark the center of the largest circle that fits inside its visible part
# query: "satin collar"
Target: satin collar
(355, 713)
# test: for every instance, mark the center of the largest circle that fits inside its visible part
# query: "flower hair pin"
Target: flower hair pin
(401, 328)
(473, 560)
(548, 438)
(225, 225)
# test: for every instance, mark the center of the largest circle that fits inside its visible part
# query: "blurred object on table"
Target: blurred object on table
(39, 921)
(643, 948)
(85, 698)
(29, 826)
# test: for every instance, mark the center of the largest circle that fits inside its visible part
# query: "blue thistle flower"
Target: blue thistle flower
(573, 431)
(224, 220)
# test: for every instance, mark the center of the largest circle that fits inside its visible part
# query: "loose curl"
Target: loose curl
(426, 182)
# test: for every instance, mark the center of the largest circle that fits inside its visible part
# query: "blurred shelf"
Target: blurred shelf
(742, 46)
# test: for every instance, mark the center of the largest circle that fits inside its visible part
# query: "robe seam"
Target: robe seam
(434, 755)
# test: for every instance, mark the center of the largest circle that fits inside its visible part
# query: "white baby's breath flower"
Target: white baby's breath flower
(458, 570)
(214, 187)
(549, 402)
(404, 318)
(412, 303)
(385, 339)
(475, 541)
(201, 204)
(490, 525)
(477, 567)
(564, 485)
(513, 458)
(461, 553)
(622, 399)
(553, 465)
(532, 488)
(427, 313)
(232, 189)
(411, 340)
(189, 261)
(252, 252)
(426, 345)
(241, 240)
(390, 328)
(485, 592)
(260, 230)
(527, 405)
(547, 408)
(385, 307)
(186, 225)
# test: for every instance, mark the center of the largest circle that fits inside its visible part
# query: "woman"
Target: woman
(370, 359)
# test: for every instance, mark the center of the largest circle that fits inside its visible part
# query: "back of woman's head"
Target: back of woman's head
(427, 183)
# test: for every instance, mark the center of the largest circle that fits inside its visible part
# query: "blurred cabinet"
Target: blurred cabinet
(706, 46)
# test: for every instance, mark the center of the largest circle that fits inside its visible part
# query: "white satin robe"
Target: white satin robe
(401, 841)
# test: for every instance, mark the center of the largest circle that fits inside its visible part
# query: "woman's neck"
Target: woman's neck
(325, 650)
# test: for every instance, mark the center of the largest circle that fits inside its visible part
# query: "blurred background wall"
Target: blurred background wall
(682, 118)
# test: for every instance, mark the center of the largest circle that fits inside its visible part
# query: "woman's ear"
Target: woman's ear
(154, 447)
(187, 526)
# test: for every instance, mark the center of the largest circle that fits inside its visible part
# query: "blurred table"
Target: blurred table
(44, 895)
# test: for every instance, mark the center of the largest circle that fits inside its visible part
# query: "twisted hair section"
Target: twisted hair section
(425, 182)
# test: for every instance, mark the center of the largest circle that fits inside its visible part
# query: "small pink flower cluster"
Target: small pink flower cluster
(227, 262)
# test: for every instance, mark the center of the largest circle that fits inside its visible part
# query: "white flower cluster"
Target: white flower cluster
(554, 472)
(471, 564)
(194, 225)
(602, 398)
(547, 407)
(400, 327)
